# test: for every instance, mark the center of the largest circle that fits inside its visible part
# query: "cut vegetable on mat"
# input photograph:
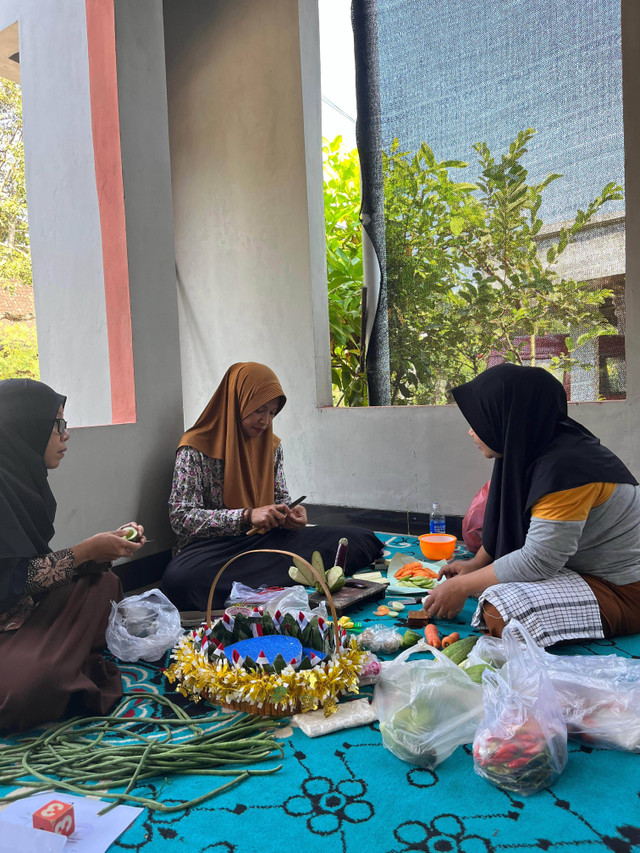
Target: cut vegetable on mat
(407, 575)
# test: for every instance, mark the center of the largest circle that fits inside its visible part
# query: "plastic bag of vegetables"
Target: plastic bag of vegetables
(521, 743)
(426, 708)
(600, 698)
(143, 626)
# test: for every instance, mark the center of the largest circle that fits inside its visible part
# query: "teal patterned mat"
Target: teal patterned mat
(345, 792)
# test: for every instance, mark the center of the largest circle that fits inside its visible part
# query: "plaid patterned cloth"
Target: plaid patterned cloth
(563, 608)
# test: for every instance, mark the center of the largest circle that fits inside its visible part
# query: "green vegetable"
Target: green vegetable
(410, 638)
(418, 583)
(130, 533)
(475, 672)
(92, 755)
(459, 651)
(335, 579)
(301, 574)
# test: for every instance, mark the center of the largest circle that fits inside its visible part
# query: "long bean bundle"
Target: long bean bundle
(92, 755)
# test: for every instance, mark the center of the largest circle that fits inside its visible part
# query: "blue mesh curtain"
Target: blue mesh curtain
(452, 73)
(369, 140)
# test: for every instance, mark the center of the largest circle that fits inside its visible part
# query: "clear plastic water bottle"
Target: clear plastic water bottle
(436, 519)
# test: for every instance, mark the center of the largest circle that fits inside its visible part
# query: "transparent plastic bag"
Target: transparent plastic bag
(381, 639)
(600, 698)
(143, 626)
(348, 715)
(426, 708)
(294, 600)
(487, 650)
(521, 743)
(243, 594)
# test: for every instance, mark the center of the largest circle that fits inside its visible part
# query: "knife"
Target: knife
(255, 530)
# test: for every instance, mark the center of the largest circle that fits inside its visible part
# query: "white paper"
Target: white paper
(26, 839)
(92, 834)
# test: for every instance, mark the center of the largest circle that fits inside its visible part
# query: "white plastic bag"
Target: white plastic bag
(348, 715)
(294, 599)
(521, 743)
(143, 626)
(426, 708)
(600, 698)
(487, 650)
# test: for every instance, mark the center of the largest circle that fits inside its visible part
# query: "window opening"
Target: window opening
(342, 204)
(18, 335)
(502, 166)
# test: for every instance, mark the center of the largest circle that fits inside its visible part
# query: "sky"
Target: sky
(338, 71)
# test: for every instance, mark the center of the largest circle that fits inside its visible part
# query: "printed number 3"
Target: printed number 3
(52, 809)
(64, 824)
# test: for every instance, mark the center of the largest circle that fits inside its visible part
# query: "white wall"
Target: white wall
(242, 80)
(64, 225)
(116, 473)
(252, 278)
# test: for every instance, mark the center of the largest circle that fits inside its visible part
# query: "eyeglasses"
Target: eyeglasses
(61, 425)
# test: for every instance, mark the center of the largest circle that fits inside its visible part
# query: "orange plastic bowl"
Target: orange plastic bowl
(437, 546)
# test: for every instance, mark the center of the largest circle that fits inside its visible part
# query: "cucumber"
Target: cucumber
(459, 650)
(335, 579)
(410, 638)
(475, 672)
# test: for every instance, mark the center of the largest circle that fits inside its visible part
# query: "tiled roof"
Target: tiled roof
(17, 304)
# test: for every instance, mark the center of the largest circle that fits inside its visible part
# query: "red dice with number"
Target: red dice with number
(55, 816)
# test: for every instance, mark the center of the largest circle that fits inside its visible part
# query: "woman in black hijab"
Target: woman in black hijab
(561, 534)
(53, 605)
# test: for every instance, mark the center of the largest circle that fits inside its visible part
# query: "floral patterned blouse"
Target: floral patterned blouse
(196, 506)
(45, 573)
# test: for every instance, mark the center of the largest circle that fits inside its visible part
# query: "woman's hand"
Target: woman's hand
(296, 519)
(267, 517)
(141, 537)
(464, 567)
(446, 600)
(105, 547)
(457, 567)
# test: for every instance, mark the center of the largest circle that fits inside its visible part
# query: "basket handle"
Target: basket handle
(316, 574)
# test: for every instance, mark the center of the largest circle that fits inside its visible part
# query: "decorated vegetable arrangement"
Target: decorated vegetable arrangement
(212, 663)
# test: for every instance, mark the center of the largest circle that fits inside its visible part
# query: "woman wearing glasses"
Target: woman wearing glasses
(54, 605)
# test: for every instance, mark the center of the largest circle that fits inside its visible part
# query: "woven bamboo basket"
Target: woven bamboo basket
(267, 707)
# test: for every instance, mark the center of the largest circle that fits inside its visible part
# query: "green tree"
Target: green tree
(15, 258)
(18, 352)
(464, 270)
(18, 341)
(344, 272)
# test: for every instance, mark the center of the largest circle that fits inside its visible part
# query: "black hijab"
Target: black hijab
(521, 412)
(27, 507)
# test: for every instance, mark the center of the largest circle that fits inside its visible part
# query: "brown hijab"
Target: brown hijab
(248, 462)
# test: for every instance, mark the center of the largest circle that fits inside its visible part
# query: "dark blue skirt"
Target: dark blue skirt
(188, 577)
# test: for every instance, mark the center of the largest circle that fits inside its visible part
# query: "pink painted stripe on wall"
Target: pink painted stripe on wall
(105, 122)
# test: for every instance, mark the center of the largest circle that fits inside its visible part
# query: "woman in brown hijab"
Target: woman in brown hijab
(229, 478)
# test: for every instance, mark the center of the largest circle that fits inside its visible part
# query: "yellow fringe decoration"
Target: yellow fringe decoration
(222, 682)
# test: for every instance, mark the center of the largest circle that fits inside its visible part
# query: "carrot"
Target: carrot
(450, 640)
(432, 636)
(430, 573)
(409, 567)
(382, 611)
